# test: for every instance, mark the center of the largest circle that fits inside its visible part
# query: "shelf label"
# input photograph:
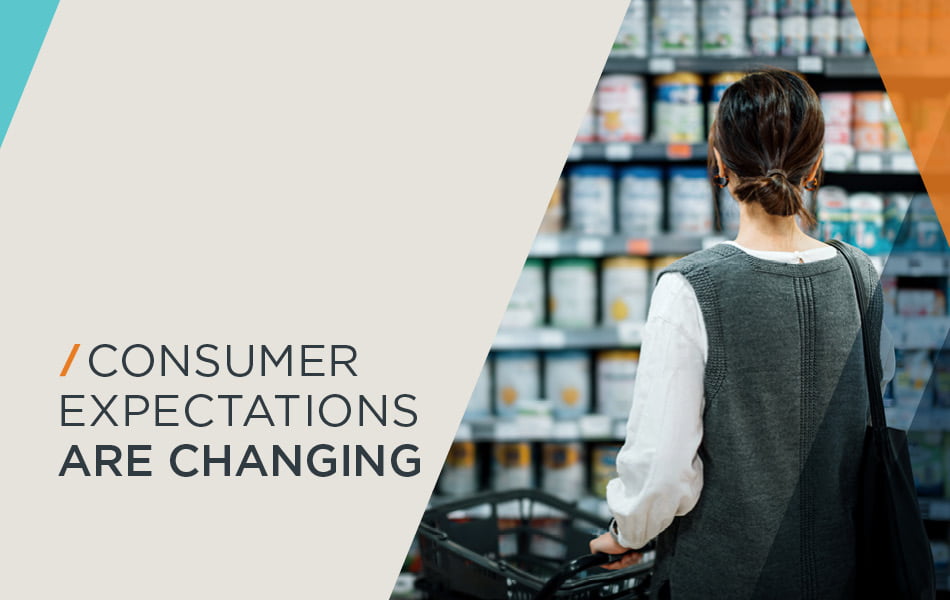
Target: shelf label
(618, 151)
(629, 334)
(838, 157)
(552, 338)
(545, 245)
(590, 246)
(679, 151)
(639, 247)
(870, 162)
(903, 162)
(660, 65)
(810, 64)
(576, 152)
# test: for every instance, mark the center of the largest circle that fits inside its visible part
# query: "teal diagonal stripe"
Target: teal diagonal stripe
(23, 25)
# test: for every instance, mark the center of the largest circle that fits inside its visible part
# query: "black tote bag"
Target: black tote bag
(894, 557)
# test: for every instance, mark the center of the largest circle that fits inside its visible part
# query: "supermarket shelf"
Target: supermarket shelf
(917, 264)
(547, 245)
(919, 333)
(625, 335)
(831, 66)
(537, 428)
(636, 151)
(934, 509)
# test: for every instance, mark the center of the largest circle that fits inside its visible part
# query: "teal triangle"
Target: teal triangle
(23, 25)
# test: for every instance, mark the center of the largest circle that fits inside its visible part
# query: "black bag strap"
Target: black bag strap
(871, 356)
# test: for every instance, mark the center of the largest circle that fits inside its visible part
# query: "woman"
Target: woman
(750, 405)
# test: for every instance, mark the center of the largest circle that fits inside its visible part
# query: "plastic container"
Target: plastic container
(573, 292)
(640, 201)
(718, 84)
(633, 37)
(723, 24)
(678, 109)
(517, 377)
(616, 377)
(690, 201)
(526, 305)
(621, 108)
(625, 285)
(764, 36)
(512, 467)
(567, 383)
(675, 28)
(591, 199)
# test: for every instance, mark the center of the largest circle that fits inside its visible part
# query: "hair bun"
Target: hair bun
(774, 172)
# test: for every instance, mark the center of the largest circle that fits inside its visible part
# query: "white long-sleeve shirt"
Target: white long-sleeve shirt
(660, 472)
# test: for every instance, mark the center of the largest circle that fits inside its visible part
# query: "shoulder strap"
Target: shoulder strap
(871, 358)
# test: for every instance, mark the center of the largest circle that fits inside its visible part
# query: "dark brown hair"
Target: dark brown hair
(769, 130)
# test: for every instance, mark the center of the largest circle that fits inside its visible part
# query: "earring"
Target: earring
(721, 181)
(812, 185)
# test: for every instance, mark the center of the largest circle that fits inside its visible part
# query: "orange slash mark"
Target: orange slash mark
(69, 361)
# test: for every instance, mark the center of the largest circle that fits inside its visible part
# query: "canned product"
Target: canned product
(591, 199)
(640, 201)
(867, 216)
(834, 214)
(895, 209)
(573, 292)
(794, 35)
(459, 475)
(847, 9)
(764, 37)
(852, 37)
(563, 473)
(632, 39)
(789, 8)
(567, 383)
(526, 305)
(869, 136)
(825, 7)
(823, 35)
(513, 466)
(718, 84)
(723, 27)
(621, 108)
(553, 220)
(759, 8)
(616, 377)
(868, 107)
(603, 467)
(587, 131)
(625, 283)
(838, 134)
(674, 27)
(837, 108)
(517, 377)
(690, 201)
(678, 110)
(479, 405)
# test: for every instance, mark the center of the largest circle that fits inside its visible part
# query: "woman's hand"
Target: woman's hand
(605, 543)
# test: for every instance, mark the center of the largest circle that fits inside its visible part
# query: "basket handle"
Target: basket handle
(571, 569)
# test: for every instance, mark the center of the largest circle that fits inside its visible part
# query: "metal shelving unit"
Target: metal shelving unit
(832, 66)
(626, 335)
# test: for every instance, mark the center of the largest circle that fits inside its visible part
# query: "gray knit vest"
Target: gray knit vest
(784, 422)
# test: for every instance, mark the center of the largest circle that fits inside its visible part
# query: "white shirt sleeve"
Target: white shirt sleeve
(660, 472)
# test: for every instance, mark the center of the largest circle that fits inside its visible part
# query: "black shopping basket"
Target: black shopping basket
(519, 545)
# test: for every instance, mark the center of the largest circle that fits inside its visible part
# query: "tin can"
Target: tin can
(625, 283)
(838, 134)
(567, 383)
(823, 35)
(852, 37)
(834, 214)
(587, 131)
(718, 84)
(763, 8)
(690, 201)
(678, 110)
(867, 215)
(794, 35)
(563, 474)
(633, 37)
(603, 467)
(616, 377)
(591, 199)
(868, 107)
(789, 8)
(573, 292)
(640, 201)
(513, 467)
(675, 26)
(526, 305)
(895, 209)
(837, 108)
(869, 137)
(459, 475)
(723, 27)
(517, 377)
(825, 7)
(764, 36)
(479, 405)
(621, 108)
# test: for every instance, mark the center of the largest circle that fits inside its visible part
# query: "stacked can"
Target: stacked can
(723, 27)
(553, 220)
(838, 110)
(572, 292)
(717, 87)
(868, 121)
(526, 305)
(567, 383)
(621, 108)
(459, 475)
(640, 201)
(625, 281)
(675, 28)
(690, 201)
(603, 467)
(763, 27)
(479, 405)
(591, 199)
(633, 37)
(678, 110)
(513, 466)
(517, 377)
(616, 376)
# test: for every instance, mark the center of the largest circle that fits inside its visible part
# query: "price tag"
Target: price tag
(629, 334)
(639, 247)
(552, 338)
(590, 246)
(679, 151)
(545, 245)
(870, 162)
(507, 430)
(810, 64)
(618, 151)
(903, 162)
(576, 152)
(660, 65)
(838, 157)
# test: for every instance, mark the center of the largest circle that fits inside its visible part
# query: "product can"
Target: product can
(621, 108)
(837, 108)
(723, 27)
(825, 7)
(625, 283)
(852, 37)
(526, 305)
(794, 35)
(553, 220)
(678, 110)
(690, 201)
(763, 8)
(479, 405)
(603, 467)
(838, 134)
(823, 35)
(847, 9)
(513, 466)
(517, 378)
(718, 84)
(868, 107)
(834, 214)
(764, 36)
(591, 199)
(868, 137)
(562, 473)
(633, 37)
(640, 201)
(616, 376)
(573, 292)
(567, 383)
(895, 209)
(675, 25)
(867, 216)
(788, 8)
(587, 131)
(459, 475)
